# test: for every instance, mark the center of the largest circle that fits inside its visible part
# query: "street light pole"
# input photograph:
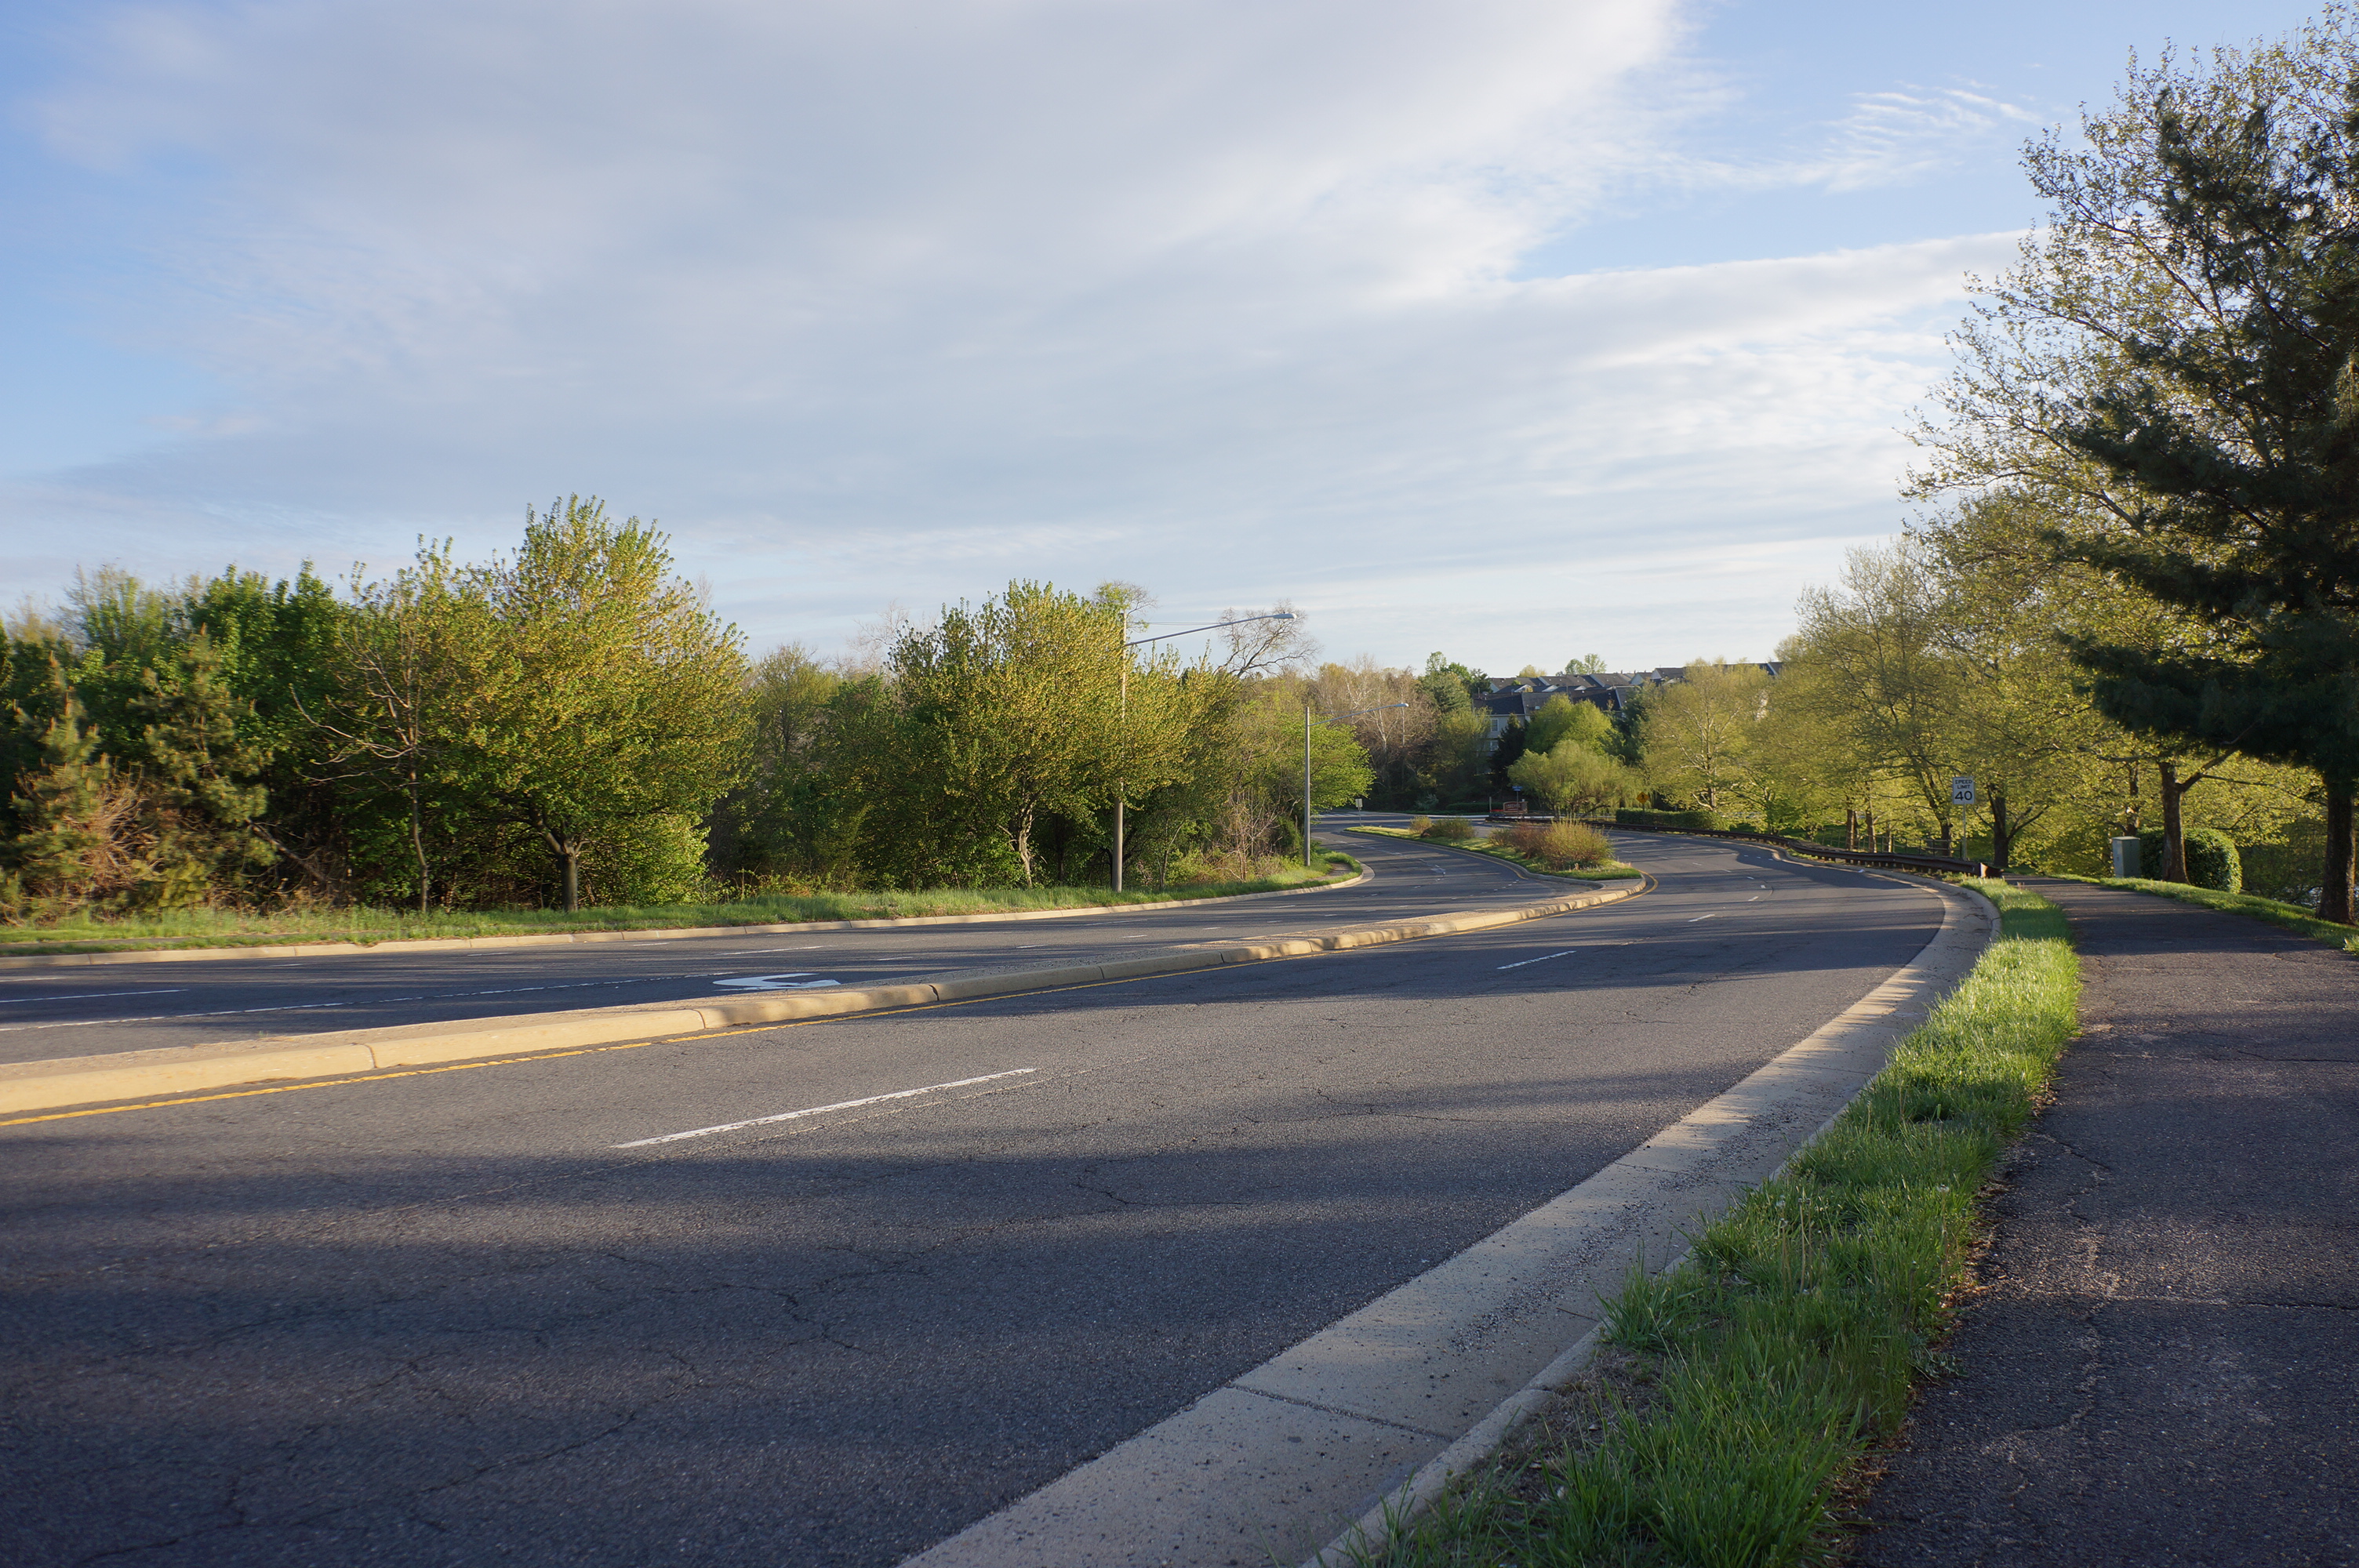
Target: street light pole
(1380, 708)
(1119, 805)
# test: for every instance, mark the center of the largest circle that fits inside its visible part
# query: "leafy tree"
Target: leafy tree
(795, 815)
(1587, 664)
(598, 693)
(1699, 729)
(1561, 718)
(1013, 713)
(1573, 777)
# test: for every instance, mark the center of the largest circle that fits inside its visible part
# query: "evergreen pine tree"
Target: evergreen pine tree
(67, 806)
(2175, 369)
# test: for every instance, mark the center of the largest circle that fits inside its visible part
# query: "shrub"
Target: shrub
(1557, 845)
(1450, 828)
(1421, 826)
(2212, 858)
(1574, 844)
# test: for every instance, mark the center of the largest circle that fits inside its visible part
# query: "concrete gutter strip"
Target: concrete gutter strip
(651, 934)
(188, 1069)
(1357, 1428)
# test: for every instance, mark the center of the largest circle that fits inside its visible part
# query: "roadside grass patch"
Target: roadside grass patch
(1741, 1389)
(2292, 916)
(1611, 870)
(366, 927)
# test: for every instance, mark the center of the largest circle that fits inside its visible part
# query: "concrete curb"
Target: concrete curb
(1370, 1419)
(655, 934)
(187, 1069)
(1535, 1399)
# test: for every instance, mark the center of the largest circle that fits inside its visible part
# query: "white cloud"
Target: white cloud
(898, 300)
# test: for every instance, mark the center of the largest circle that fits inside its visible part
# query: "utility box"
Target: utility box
(2126, 857)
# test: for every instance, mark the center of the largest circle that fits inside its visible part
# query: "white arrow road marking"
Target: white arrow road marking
(793, 982)
(818, 1109)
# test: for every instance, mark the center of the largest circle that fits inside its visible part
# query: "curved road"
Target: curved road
(479, 1315)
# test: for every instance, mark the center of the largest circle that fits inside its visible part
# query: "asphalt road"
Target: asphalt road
(475, 1315)
(91, 1009)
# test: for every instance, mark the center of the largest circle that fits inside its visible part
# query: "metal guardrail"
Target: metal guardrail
(1933, 865)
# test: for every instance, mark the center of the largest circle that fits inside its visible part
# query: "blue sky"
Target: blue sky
(1520, 329)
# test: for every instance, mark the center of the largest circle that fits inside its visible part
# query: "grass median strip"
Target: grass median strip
(366, 927)
(1612, 871)
(1740, 1391)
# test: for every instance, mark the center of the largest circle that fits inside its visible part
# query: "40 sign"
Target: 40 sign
(1962, 791)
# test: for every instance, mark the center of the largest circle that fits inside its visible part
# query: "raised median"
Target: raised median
(55, 1086)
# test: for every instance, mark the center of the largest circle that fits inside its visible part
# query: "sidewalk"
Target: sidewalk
(2164, 1366)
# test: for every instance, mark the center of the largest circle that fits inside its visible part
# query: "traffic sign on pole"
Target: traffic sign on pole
(1962, 791)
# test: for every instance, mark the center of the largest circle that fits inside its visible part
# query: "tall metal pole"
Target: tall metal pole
(1381, 708)
(1121, 784)
(1306, 783)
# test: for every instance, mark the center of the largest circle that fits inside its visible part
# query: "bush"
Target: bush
(1694, 821)
(2211, 858)
(1421, 826)
(1557, 845)
(1449, 828)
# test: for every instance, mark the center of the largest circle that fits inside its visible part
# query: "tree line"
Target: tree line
(570, 723)
(2132, 600)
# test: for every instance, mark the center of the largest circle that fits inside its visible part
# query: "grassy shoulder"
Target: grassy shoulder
(368, 927)
(1741, 1392)
(1611, 872)
(2292, 916)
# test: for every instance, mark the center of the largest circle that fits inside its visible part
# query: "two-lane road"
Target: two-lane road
(904, 1269)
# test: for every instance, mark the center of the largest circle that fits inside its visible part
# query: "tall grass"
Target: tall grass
(1754, 1376)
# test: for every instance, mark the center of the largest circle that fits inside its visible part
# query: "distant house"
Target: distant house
(1514, 698)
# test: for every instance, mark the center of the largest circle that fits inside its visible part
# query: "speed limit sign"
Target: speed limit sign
(1962, 791)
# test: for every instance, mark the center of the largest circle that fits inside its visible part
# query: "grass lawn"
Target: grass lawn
(2292, 916)
(1741, 1392)
(1614, 871)
(366, 927)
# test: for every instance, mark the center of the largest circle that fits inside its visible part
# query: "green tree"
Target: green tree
(67, 808)
(1699, 729)
(2172, 362)
(200, 806)
(1561, 718)
(1573, 777)
(599, 693)
(1012, 713)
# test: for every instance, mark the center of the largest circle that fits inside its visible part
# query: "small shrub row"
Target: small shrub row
(1449, 829)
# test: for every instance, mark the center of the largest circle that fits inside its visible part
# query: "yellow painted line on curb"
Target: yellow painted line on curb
(1650, 885)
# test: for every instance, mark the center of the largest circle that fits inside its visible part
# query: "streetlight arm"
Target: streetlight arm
(1119, 805)
(1245, 621)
